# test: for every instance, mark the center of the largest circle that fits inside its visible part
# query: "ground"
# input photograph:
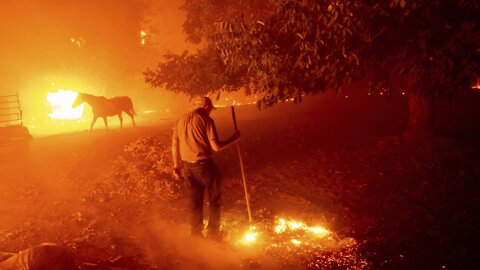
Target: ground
(388, 203)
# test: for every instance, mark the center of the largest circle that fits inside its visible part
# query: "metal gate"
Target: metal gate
(12, 130)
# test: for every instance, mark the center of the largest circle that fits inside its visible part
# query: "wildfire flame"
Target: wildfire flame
(61, 104)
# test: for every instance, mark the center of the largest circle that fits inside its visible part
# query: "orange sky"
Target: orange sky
(37, 38)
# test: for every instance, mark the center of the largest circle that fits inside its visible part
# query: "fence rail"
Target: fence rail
(11, 103)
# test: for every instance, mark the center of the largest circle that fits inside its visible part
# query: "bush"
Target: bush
(143, 172)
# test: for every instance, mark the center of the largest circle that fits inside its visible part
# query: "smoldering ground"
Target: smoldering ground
(170, 246)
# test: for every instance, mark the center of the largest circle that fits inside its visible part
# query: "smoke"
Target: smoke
(191, 253)
(169, 245)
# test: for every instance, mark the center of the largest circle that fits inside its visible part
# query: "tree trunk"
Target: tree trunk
(420, 119)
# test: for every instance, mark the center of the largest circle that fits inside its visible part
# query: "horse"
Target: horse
(104, 107)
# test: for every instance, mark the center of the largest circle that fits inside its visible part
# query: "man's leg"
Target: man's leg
(214, 198)
(196, 191)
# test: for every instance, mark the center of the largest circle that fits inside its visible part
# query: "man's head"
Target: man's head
(206, 104)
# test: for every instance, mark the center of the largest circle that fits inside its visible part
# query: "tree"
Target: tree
(432, 46)
(194, 74)
(202, 15)
(303, 47)
(203, 72)
(282, 55)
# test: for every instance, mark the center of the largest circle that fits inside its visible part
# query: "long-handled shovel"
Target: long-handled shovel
(247, 199)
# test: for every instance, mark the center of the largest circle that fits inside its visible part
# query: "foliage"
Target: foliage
(433, 45)
(303, 47)
(280, 58)
(193, 74)
(142, 173)
(203, 72)
(202, 15)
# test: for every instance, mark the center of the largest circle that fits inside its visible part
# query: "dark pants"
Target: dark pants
(200, 176)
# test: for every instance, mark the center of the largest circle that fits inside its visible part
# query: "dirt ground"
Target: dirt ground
(387, 202)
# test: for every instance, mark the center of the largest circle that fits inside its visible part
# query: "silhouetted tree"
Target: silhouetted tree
(204, 71)
(268, 56)
(194, 74)
(429, 48)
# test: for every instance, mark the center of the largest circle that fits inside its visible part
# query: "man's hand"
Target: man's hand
(177, 173)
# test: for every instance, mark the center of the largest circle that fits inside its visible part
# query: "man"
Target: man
(193, 142)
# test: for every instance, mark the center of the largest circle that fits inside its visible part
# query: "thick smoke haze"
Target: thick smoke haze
(90, 46)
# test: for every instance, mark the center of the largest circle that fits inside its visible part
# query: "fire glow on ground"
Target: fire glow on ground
(295, 242)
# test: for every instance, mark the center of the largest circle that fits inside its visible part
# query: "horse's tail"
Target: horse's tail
(131, 106)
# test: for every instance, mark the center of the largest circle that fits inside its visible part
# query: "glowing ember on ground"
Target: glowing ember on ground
(293, 225)
(61, 103)
(319, 230)
(293, 242)
(250, 236)
(296, 242)
(291, 228)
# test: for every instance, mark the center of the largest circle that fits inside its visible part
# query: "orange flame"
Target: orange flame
(61, 104)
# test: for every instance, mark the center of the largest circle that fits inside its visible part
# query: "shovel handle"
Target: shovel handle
(244, 180)
(234, 118)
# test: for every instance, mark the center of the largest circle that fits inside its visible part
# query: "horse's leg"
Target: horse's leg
(105, 121)
(131, 116)
(93, 122)
(121, 119)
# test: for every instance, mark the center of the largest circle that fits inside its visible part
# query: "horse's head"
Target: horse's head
(78, 100)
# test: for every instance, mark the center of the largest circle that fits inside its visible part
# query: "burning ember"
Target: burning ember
(476, 85)
(250, 236)
(292, 225)
(61, 103)
(294, 243)
(315, 247)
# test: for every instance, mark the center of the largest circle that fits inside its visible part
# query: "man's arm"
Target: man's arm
(216, 144)
(220, 145)
(175, 149)
(176, 154)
